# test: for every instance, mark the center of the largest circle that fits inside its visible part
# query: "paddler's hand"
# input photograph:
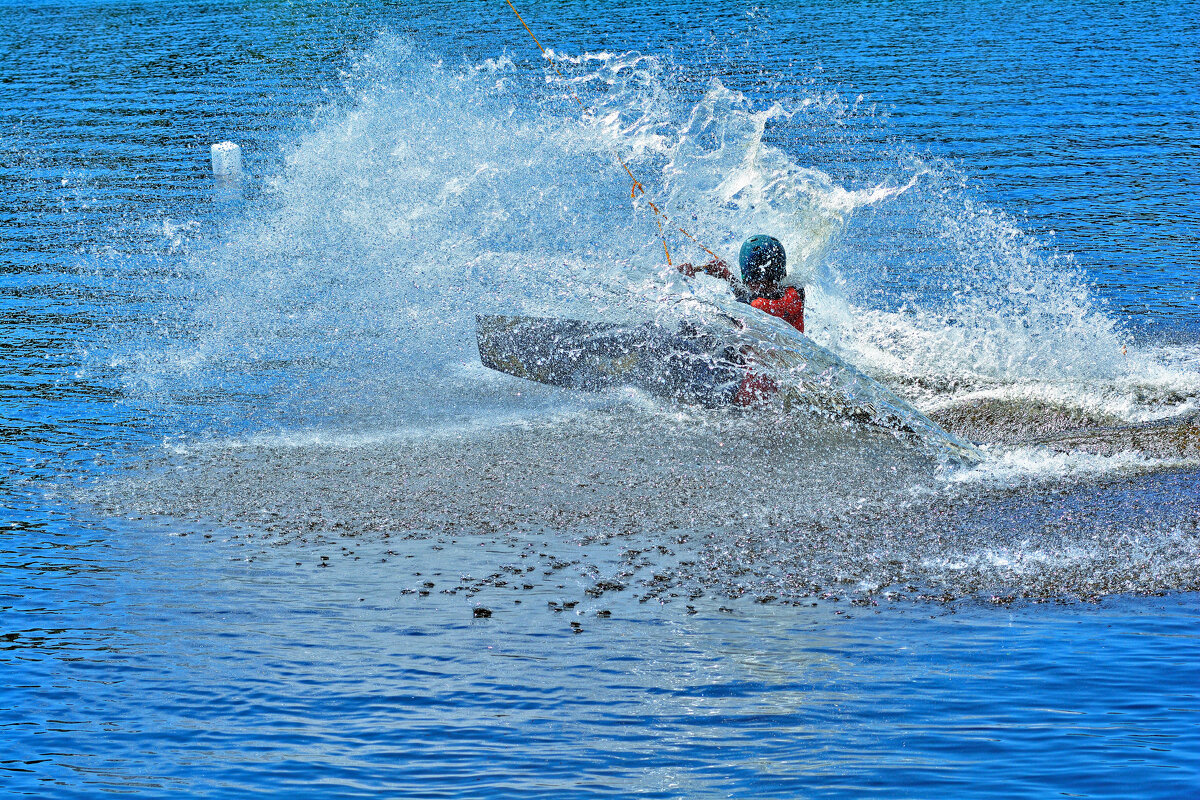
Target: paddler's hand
(717, 268)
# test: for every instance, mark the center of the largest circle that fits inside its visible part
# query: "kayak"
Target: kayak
(705, 364)
(686, 364)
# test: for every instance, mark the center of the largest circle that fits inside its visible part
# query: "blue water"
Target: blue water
(258, 493)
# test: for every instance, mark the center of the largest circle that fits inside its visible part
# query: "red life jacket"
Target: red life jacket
(755, 389)
(789, 308)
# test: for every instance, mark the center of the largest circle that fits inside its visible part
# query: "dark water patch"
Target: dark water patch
(1071, 429)
(1012, 421)
(690, 511)
(601, 472)
(1136, 535)
(1161, 439)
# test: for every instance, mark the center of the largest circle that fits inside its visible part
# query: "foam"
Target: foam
(1023, 467)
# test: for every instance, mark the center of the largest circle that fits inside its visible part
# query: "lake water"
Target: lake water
(271, 529)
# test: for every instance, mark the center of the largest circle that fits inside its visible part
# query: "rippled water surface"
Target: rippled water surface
(270, 527)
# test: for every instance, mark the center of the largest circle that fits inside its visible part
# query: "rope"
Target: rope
(659, 217)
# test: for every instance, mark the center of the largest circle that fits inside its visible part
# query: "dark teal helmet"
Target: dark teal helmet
(762, 260)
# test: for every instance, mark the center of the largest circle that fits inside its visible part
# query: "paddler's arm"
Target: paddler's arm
(715, 267)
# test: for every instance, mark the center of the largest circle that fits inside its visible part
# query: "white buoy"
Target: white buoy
(226, 160)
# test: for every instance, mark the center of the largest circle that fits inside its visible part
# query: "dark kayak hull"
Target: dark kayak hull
(685, 364)
(704, 365)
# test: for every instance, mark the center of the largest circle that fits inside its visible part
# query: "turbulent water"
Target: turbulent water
(253, 458)
(331, 318)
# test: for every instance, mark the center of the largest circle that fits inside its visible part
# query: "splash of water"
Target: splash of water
(327, 339)
(344, 296)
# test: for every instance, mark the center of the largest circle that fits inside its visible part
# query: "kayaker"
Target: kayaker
(763, 267)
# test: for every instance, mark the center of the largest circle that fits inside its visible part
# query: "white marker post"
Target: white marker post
(226, 160)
